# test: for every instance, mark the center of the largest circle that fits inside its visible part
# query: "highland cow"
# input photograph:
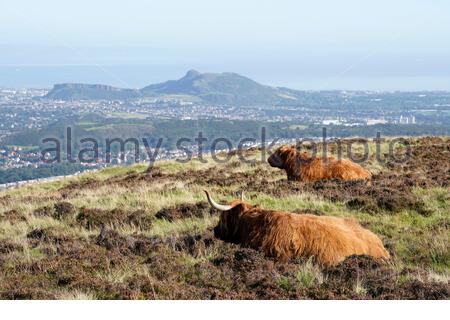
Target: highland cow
(284, 235)
(300, 166)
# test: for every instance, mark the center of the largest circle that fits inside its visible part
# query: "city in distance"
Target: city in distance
(220, 105)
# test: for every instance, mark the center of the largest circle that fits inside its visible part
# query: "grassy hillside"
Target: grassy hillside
(137, 234)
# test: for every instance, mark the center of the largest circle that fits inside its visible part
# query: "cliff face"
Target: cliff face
(80, 91)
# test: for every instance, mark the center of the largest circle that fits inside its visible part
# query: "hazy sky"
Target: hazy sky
(278, 42)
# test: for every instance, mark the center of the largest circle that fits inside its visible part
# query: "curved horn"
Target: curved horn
(215, 205)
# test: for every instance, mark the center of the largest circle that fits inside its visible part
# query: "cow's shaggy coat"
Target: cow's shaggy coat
(300, 166)
(284, 235)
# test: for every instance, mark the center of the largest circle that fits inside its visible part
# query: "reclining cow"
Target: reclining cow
(300, 166)
(284, 235)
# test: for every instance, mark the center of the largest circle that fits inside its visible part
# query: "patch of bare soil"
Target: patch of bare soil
(95, 218)
(45, 235)
(45, 211)
(74, 186)
(8, 246)
(60, 210)
(429, 164)
(195, 245)
(186, 210)
(13, 216)
(63, 210)
(126, 245)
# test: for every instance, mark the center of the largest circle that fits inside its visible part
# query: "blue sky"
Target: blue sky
(275, 41)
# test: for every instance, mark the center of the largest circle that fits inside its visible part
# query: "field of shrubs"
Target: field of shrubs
(146, 233)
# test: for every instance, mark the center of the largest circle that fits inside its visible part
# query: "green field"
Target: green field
(127, 115)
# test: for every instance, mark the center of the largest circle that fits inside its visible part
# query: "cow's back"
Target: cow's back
(328, 168)
(330, 240)
(347, 170)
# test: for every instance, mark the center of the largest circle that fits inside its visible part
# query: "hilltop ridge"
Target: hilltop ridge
(220, 88)
(82, 91)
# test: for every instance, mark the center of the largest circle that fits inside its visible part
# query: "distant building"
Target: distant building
(407, 120)
(331, 121)
(371, 122)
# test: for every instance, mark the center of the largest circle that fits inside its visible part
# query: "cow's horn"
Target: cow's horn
(242, 195)
(215, 205)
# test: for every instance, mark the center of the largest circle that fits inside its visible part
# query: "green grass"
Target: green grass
(309, 275)
(164, 228)
(118, 126)
(126, 115)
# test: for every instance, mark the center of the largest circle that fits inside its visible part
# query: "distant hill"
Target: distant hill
(80, 91)
(220, 88)
(227, 88)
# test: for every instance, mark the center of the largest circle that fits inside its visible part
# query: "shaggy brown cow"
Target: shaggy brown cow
(284, 235)
(300, 166)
